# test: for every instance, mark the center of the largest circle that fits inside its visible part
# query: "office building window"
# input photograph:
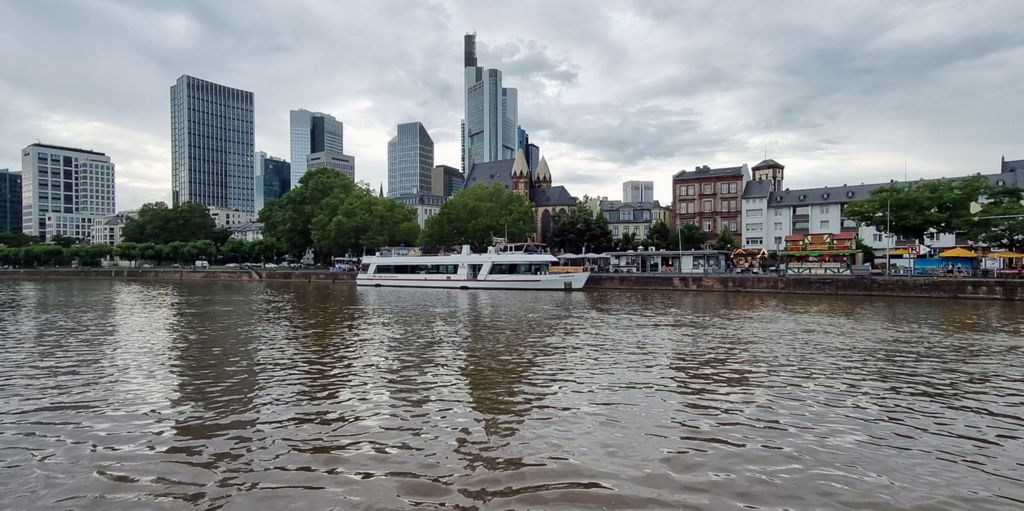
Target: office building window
(709, 188)
(708, 206)
(778, 226)
(755, 227)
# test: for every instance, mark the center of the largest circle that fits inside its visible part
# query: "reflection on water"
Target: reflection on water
(224, 395)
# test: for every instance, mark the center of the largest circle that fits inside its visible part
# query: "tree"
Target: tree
(266, 249)
(289, 220)
(659, 235)
(726, 241)
(627, 242)
(90, 255)
(359, 220)
(474, 215)
(16, 239)
(235, 250)
(1006, 232)
(127, 250)
(910, 210)
(157, 223)
(579, 227)
(63, 241)
(692, 238)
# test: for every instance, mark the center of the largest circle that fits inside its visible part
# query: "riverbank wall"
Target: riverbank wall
(917, 287)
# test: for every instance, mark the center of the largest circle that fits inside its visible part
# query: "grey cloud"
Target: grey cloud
(612, 90)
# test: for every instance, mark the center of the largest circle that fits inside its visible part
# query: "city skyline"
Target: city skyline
(655, 89)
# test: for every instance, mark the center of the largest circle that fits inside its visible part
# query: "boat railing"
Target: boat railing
(565, 269)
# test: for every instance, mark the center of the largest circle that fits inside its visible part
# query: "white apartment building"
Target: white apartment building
(425, 205)
(771, 213)
(65, 187)
(108, 229)
(228, 218)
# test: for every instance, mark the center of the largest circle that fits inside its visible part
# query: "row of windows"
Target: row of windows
(518, 269)
(708, 206)
(625, 230)
(708, 188)
(422, 269)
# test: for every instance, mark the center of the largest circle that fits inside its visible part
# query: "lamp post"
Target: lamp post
(679, 256)
(888, 236)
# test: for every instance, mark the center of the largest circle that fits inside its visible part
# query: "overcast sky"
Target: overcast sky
(839, 92)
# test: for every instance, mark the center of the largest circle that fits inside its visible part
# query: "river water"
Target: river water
(231, 395)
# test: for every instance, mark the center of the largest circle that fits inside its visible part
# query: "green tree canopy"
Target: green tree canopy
(659, 236)
(157, 223)
(289, 220)
(1006, 232)
(472, 216)
(726, 240)
(16, 239)
(692, 238)
(359, 221)
(580, 226)
(912, 209)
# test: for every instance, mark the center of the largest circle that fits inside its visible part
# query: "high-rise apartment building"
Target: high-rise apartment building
(490, 125)
(638, 191)
(10, 201)
(313, 133)
(410, 161)
(63, 190)
(446, 180)
(273, 179)
(212, 131)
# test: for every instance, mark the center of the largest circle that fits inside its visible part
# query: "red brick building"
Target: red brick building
(710, 198)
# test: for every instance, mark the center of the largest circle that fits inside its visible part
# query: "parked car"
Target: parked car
(202, 264)
(232, 266)
(270, 266)
(147, 266)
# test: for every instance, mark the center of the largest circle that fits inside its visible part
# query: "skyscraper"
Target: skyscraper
(63, 190)
(410, 161)
(447, 180)
(212, 145)
(489, 127)
(638, 191)
(311, 133)
(273, 179)
(10, 201)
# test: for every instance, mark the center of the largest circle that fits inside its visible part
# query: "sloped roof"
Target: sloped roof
(706, 171)
(499, 171)
(610, 205)
(552, 196)
(768, 164)
(756, 189)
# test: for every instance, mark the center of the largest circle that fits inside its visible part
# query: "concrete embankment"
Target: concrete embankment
(987, 289)
(252, 275)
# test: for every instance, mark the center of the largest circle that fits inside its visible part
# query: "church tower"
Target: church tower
(543, 178)
(521, 175)
(769, 170)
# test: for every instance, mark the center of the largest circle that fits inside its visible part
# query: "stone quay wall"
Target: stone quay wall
(920, 287)
(923, 287)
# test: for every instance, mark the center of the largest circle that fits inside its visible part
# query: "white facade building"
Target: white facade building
(426, 205)
(228, 218)
(249, 231)
(638, 191)
(108, 229)
(65, 186)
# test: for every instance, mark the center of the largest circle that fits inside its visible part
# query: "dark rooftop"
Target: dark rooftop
(706, 171)
(65, 148)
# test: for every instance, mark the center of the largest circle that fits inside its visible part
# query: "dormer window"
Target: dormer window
(824, 195)
(802, 197)
(1000, 183)
(849, 194)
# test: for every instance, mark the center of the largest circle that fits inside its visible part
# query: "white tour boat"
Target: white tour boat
(502, 268)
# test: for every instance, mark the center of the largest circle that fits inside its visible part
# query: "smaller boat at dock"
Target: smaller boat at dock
(512, 266)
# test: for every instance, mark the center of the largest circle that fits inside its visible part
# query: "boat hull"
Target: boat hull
(549, 282)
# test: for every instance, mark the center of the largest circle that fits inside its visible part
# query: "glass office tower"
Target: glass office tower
(311, 133)
(212, 131)
(273, 179)
(410, 161)
(490, 125)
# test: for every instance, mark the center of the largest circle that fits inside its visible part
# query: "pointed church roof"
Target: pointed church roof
(768, 164)
(519, 166)
(543, 172)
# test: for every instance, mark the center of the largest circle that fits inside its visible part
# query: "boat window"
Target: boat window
(412, 269)
(518, 269)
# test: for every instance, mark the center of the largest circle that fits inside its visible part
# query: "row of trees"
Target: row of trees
(234, 250)
(911, 210)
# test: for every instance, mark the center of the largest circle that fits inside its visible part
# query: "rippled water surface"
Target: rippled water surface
(225, 395)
